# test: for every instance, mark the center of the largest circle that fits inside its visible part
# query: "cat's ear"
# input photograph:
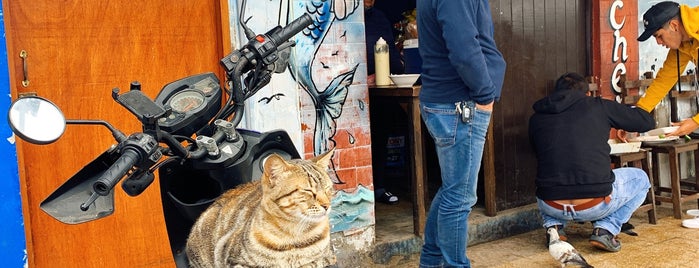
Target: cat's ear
(273, 165)
(324, 159)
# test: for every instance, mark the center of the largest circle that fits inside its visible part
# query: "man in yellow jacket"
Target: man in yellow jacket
(676, 27)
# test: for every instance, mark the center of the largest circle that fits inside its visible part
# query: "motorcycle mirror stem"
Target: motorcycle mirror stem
(117, 134)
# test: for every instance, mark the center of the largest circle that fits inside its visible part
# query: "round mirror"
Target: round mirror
(36, 120)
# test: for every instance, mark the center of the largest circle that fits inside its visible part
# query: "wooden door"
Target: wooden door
(540, 41)
(77, 52)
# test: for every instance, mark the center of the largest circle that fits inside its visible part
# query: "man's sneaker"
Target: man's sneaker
(561, 234)
(603, 239)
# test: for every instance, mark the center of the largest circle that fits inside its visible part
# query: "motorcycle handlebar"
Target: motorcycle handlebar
(130, 156)
(111, 176)
(291, 29)
(235, 68)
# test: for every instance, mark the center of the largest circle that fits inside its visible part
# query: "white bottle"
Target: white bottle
(381, 63)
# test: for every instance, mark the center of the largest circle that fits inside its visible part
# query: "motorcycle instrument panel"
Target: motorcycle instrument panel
(193, 100)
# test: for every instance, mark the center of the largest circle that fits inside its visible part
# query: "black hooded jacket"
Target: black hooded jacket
(569, 132)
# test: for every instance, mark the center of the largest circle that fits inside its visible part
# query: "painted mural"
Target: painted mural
(321, 98)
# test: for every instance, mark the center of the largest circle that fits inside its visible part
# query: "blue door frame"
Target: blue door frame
(13, 247)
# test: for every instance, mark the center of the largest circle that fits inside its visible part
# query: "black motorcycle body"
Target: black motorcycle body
(189, 136)
(188, 189)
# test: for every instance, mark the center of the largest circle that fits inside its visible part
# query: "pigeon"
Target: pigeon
(564, 252)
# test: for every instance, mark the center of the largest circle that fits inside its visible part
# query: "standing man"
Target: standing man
(676, 27)
(462, 76)
(376, 26)
(574, 181)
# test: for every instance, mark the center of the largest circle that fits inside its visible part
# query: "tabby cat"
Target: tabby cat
(280, 220)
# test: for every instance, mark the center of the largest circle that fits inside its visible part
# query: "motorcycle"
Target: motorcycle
(190, 135)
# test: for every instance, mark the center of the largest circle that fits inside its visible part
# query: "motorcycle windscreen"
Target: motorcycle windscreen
(64, 204)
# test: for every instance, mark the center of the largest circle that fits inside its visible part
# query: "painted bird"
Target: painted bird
(564, 252)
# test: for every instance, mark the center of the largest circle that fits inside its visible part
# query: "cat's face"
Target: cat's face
(301, 189)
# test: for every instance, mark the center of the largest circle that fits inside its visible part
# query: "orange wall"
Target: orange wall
(614, 29)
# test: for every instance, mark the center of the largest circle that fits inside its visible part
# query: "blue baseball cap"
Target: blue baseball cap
(657, 16)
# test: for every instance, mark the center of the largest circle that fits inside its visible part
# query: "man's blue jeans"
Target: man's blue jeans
(459, 150)
(629, 190)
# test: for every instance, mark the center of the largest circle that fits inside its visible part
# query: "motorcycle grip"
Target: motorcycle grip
(291, 29)
(115, 172)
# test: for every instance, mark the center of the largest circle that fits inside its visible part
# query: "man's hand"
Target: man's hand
(685, 127)
(486, 107)
(621, 135)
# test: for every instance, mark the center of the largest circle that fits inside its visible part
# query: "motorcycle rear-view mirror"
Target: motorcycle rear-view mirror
(36, 120)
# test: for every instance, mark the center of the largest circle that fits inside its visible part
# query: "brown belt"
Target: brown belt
(582, 206)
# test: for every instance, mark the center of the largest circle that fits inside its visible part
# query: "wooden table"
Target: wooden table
(409, 96)
(677, 194)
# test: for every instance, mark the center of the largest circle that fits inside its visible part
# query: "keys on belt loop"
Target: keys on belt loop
(463, 110)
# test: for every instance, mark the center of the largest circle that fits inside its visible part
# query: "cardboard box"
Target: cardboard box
(624, 147)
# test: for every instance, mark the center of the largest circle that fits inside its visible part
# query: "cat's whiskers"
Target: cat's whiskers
(301, 226)
(340, 212)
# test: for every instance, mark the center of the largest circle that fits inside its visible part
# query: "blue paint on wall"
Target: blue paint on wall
(352, 210)
(12, 243)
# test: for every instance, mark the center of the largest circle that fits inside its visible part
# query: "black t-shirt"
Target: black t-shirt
(377, 25)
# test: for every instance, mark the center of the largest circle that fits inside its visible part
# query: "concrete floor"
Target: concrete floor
(666, 244)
